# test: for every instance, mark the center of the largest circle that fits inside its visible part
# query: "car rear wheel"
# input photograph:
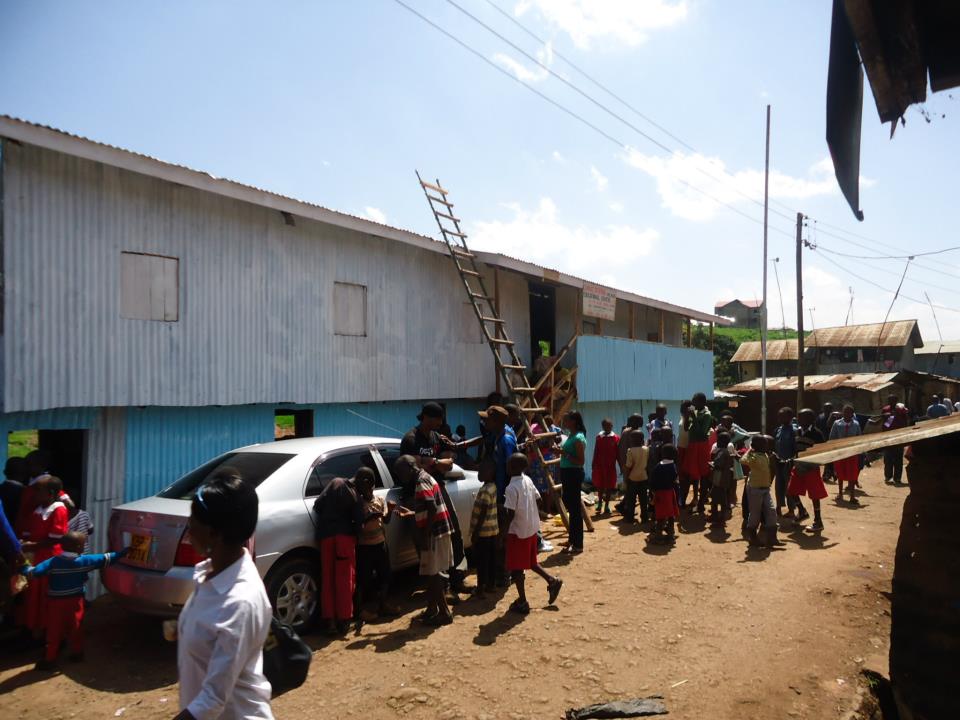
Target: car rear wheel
(294, 591)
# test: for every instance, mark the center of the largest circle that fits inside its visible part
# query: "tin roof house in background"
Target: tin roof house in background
(743, 313)
(781, 358)
(155, 316)
(872, 347)
(941, 358)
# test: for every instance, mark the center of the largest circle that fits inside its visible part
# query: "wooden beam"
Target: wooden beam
(633, 320)
(711, 337)
(599, 326)
(660, 338)
(579, 315)
(689, 334)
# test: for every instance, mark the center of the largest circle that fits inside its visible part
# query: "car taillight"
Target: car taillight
(186, 555)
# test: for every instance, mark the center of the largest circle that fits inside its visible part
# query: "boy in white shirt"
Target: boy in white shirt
(520, 502)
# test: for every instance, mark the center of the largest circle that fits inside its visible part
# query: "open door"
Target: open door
(543, 320)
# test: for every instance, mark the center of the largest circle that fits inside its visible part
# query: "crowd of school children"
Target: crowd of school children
(44, 560)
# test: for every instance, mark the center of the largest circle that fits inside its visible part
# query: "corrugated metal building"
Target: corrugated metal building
(155, 316)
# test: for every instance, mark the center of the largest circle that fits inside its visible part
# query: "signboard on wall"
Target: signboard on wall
(599, 302)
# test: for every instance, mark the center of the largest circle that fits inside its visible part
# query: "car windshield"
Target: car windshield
(254, 468)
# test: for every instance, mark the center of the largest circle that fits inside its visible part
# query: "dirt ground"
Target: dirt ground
(718, 629)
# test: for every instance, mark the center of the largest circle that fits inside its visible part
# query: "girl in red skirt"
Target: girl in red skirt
(41, 541)
(696, 459)
(663, 484)
(848, 469)
(604, 476)
(805, 478)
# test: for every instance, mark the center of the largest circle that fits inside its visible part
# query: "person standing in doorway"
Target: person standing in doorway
(895, 416)
(572, 459)
(339, 515)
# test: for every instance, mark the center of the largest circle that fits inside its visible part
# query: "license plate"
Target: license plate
(139, 548)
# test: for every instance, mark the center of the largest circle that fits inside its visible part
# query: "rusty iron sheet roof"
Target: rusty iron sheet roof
(776, 350)
(895, 333)
(833, 450)
(871, 382)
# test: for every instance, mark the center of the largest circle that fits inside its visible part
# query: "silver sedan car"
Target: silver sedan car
(156, 577)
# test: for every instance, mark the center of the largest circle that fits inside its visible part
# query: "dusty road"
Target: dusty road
(718, 629)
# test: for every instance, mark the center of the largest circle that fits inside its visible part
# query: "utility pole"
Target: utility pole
(799, 311)
(763, 318)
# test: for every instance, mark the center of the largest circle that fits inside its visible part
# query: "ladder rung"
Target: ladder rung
(434, 187)
(513, 367)
(533, 409)
(555, 461)
(480, 296)
(462, 253)
(448, 217)
(453, 232)
(501, 341)
(524, 390)
(472, 273)
(491, 319)
(542, 436)
(439, 200)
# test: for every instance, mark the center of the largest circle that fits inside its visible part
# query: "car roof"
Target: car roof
(317, 445)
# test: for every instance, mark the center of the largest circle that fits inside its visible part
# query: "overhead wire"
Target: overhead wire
(886, 271)
(573, 113)
(611, 138)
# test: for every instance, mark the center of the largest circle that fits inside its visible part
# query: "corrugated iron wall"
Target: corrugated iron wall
(255, 321)
(104, 479)
(613, 369)
(164, 443)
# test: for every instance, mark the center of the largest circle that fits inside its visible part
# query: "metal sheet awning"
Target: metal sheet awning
(834, 450)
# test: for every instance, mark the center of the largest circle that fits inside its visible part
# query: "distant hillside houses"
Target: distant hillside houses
(743, 313)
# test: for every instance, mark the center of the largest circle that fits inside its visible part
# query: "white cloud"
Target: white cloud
(539, 235)
(532, 74)
(625, 21)
(558, 157)
(675, 174)
(375, 214)
(616, 207)
(599, 180)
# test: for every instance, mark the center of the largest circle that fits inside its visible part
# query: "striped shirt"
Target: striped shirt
(68, 572)
(81, 523)
(428, 495)
(484, 521)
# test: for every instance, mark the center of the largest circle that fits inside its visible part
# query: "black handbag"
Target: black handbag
(286, 658)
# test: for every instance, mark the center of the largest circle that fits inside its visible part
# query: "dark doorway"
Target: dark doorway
(543, 319)
(66, 450)
(292, 424)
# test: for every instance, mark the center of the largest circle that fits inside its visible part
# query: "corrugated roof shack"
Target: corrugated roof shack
(925, 604)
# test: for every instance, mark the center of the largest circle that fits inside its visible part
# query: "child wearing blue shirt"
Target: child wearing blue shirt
(68, 576)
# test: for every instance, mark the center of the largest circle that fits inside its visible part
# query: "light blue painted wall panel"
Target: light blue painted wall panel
(613, 369)
(618, 411)
(164, 443)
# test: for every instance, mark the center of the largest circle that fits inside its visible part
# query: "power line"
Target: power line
(886, 271)
(895, 257)
(611, 138)
(881, 287)
(537, 61)
(572, 113)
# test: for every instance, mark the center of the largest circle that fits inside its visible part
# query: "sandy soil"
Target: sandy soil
(718, 629)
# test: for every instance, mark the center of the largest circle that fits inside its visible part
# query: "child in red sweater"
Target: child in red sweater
(41, 541)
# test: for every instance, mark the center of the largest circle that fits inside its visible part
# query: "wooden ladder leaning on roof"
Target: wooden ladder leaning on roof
(494, 329)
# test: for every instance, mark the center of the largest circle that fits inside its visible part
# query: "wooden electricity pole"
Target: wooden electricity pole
(799, 312)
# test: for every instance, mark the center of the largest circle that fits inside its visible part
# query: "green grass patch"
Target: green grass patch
(21, 443)
(740, 335)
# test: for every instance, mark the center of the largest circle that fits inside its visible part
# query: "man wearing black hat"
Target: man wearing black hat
(425, 443)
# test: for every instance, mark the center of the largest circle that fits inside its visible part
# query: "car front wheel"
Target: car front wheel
(294, 592)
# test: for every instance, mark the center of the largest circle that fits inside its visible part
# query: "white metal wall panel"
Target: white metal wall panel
(254, 300)
(106, 453)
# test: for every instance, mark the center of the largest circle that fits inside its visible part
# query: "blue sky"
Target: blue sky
(338, 102)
